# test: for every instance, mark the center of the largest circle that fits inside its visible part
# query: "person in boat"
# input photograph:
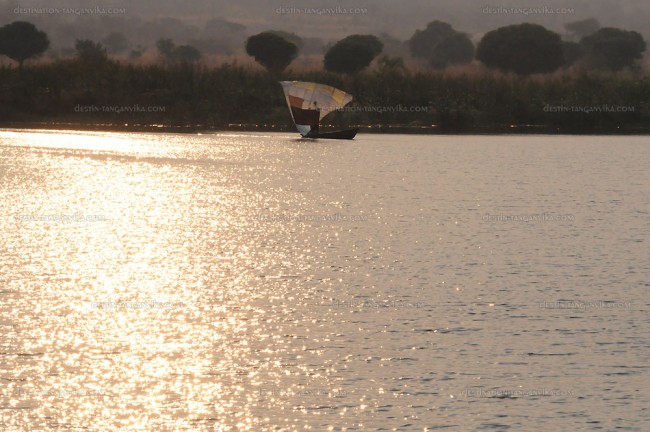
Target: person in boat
(314, 128)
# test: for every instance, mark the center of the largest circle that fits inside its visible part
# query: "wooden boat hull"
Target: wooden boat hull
(342, 134)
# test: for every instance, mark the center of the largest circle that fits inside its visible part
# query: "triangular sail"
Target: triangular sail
(310, 102)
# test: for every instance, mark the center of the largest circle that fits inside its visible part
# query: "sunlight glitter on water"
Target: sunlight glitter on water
(254, 281)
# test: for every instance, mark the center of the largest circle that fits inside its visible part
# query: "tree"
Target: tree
(393, 47)
(90, 52)
(573, 52)
(291, 37)
(352, 54)
(390, 64)
(221, 36)
(136, 53)
(613, 49)
(173, 54)
(455, 49)
(166, 48)
(272, 51)
(440, 45)
(524, 49)
(579, 29)
(116, 43)
(224, 26)
(423, 42)
(21, 40)
(186, 54)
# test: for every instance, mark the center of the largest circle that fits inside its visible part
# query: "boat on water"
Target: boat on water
(310, 102)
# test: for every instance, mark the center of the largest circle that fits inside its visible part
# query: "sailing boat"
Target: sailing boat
(310, 102)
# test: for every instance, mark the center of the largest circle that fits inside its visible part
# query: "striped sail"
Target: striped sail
(310, 102)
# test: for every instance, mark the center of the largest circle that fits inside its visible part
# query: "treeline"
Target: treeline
(187, 95)
(524, 49)
(518, 78)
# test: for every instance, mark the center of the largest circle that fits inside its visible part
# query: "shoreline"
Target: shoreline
(377, 129)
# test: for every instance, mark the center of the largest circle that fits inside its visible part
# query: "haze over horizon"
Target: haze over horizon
(144, 22)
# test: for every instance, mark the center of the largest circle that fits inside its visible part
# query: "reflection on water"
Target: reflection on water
(257, 282)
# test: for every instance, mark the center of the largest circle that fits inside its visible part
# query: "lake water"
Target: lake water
(253, 281)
